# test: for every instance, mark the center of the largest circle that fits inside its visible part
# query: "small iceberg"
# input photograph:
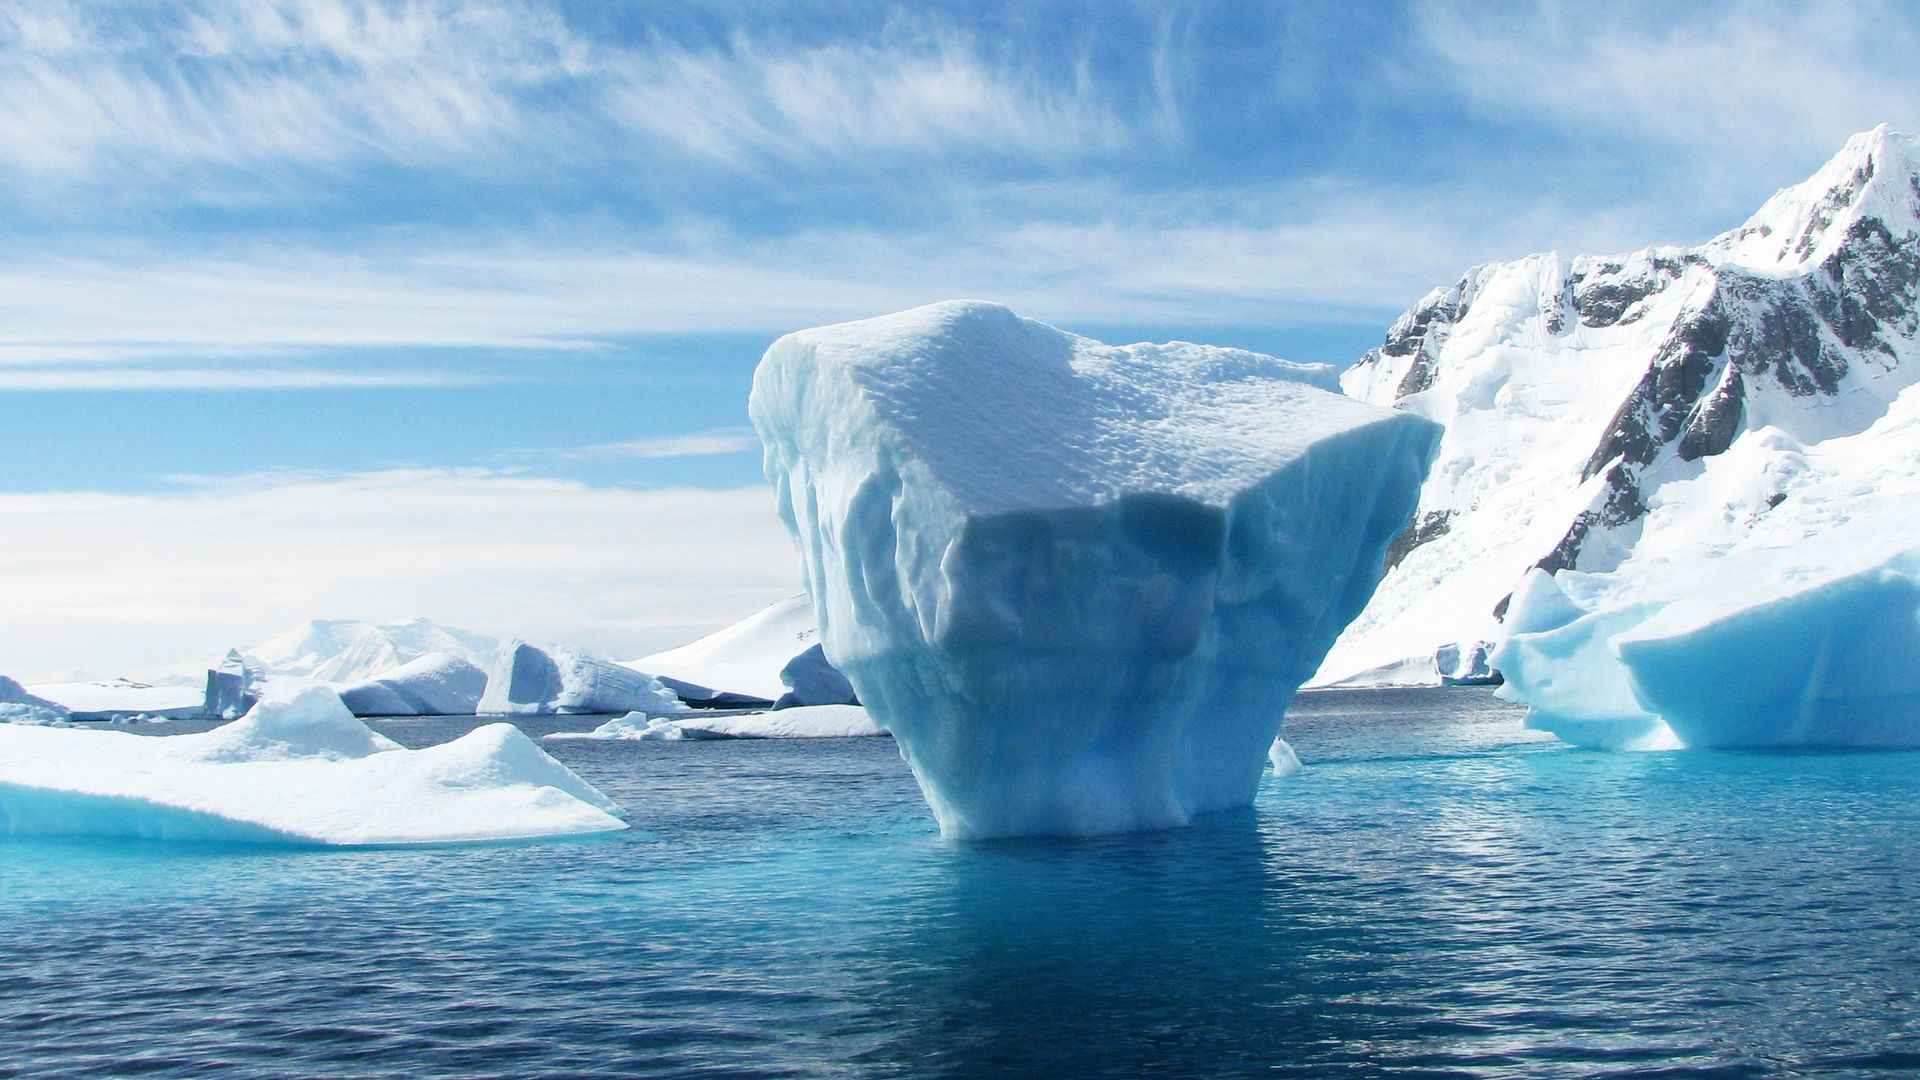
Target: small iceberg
(800, 722)
(433, 684)
(529, 680)
(17, 706)
(298, 768)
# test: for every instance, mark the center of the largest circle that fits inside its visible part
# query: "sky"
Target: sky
(332, 308)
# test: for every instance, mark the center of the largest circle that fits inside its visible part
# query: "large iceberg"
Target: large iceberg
(433, 684)
(18, 706)
(1078, 583)
(527, 679)
(231, 687)
(298, 768)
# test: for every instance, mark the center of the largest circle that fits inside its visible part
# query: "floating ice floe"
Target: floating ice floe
(18, 706)
(298, 768)
(434, 684)
(800, 722)
(527, 679)
(1079, 583)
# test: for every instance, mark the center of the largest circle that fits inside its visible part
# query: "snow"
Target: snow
(1078, 583)
(123, 697)
(1771, 614)
(432, 684)
(18, 706)
(800, 722)
(1537, 367)
(527, 679)
(352, 650)
(744, 659)
(298, 768)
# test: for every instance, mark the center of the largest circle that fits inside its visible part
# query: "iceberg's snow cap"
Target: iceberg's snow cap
(298, 768)
(1078, 582)
(743, 660)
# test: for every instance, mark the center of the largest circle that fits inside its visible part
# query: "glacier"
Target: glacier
(1784, 613)
(349, 651)
(1585, 398)
(1078, 583)
(527, 679)
(799, 722)
(297, 768)
(431, 684)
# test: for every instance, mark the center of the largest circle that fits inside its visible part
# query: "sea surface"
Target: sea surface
(1438, 893)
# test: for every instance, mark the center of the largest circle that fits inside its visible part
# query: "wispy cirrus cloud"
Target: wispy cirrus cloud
(272, 88)
(16, 380)
(709, 443)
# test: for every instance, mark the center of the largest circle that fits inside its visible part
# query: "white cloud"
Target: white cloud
(1737, 98)
(286, 86)
(107, 582)
(41, 380)
(731, 440)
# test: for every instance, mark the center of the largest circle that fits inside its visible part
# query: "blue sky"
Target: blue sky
(272, 269)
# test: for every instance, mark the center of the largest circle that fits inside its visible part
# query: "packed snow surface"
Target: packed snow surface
(297, 768)
(1079, 583)
(1584, 396)
(528, 679)
(744, 659)
(433, 684)
(1778, 614)
(18, 706)
(800, 722)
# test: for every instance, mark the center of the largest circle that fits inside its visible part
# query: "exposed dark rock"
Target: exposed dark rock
(1423, 528)
(1618, 505)
(1711, 430)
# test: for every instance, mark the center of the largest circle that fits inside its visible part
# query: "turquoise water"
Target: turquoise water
(1437, 894)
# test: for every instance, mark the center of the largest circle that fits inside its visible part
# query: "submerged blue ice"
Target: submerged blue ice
(1078, 583)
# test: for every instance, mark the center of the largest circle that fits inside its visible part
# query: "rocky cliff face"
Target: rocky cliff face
(1575, 390)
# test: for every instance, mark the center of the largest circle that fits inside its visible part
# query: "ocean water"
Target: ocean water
(1438, 893)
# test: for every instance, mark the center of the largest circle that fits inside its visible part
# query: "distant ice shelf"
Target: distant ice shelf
(800, 722)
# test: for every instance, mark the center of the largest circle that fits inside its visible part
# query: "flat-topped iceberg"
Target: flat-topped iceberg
(527, 679)
(799, 722)
(298, 768)
(1079, 583)
(433, 684)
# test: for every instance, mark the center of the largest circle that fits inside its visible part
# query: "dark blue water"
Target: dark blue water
(1437, 894)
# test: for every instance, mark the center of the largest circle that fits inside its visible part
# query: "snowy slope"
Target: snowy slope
(1580, 395)
(744, 658)
(352, 650)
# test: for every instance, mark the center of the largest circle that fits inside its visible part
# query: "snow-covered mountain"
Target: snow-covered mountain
(352, 651)
(1584, 398)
